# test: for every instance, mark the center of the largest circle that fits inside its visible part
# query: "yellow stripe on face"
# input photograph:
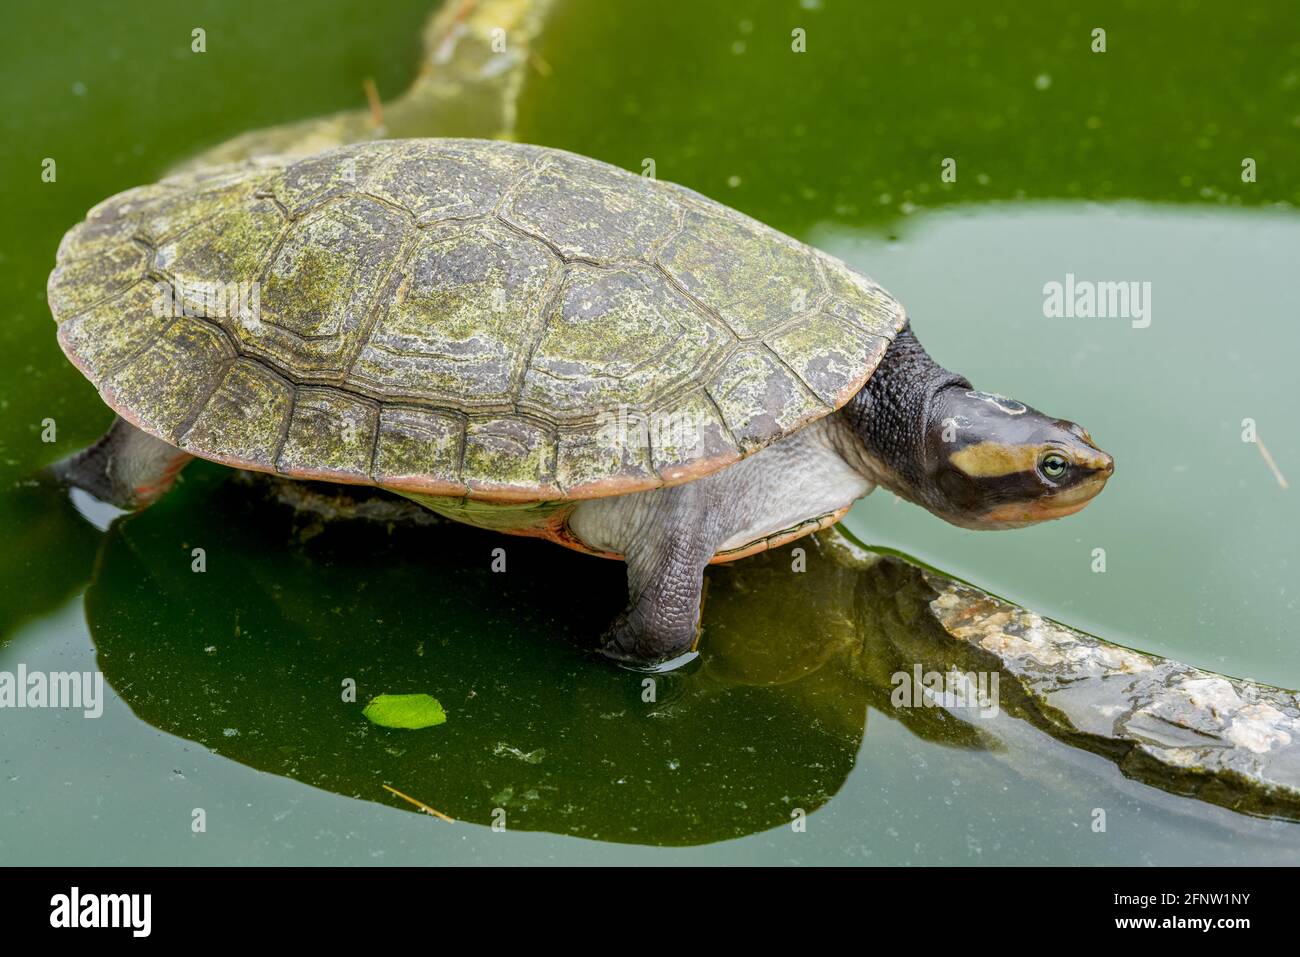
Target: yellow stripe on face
(993, 459)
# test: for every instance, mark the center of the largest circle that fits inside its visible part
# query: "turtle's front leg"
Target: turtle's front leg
(673, 542)
(126, 467)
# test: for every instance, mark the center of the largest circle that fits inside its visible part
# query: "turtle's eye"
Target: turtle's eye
(1053, 465)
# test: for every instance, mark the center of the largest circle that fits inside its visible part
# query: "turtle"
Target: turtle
(534, 342)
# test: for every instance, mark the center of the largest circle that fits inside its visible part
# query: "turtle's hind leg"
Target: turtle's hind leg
(126, 467)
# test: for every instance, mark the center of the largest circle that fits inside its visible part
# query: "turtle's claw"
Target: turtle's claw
(630, 645)
(649, 667)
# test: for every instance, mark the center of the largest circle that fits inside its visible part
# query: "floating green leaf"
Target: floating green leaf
(410, 711)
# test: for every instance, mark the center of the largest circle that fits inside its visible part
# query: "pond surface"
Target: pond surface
(225, 687)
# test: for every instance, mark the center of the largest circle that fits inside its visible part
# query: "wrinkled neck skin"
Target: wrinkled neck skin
(891, 417)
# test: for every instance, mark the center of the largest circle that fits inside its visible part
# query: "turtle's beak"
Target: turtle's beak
(1100, 468)
(1105, 465)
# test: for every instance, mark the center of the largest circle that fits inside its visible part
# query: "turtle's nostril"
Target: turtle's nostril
(1106, 465)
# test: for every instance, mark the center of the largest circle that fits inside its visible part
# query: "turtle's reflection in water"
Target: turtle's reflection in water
(292, 608)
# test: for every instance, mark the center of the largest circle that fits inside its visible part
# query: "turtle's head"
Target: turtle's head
(994, 462)
(973, 458)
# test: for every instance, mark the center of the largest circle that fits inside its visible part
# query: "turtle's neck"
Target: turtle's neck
(892, 415)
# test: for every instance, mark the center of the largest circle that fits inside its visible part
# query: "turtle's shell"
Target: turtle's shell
(459, 317)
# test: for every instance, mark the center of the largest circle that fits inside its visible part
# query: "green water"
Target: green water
(226, 686)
